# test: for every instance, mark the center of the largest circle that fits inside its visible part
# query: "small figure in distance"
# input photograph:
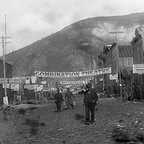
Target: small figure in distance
(58, 100)
(69, 99)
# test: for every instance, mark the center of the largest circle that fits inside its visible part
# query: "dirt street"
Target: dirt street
(45, 126)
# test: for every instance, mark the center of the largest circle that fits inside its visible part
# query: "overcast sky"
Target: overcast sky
(30, 20)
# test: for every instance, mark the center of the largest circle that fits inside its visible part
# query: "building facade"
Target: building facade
(118, 57)
(122, 58)
(125, 58)
(138, 59)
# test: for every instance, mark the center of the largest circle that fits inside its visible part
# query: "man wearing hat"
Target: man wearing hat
(58, 100)
(69, 99)
(90, 100)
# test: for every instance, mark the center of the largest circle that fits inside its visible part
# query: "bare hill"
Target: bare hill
(70, 48)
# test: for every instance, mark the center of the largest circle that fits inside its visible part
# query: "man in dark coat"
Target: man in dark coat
(69, 99)
(90, 101)
(58, 100)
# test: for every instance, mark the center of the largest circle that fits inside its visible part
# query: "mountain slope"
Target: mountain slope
(71, 48)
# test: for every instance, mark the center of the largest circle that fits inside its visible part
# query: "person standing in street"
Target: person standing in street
(90, 101)
(58, 100)
(69, 99)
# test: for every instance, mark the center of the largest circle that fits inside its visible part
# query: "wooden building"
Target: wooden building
(118, 57)
(125, 58)
(138, 59)
(122, 58)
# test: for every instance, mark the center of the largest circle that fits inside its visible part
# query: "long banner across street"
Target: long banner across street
(31, 82)
(74, 74)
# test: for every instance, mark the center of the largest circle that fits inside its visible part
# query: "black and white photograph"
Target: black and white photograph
(71, 71)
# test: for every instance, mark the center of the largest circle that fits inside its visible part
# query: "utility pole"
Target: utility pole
(103, 78)
(115, 33)
(4, 43)
(92, 67)
(4, 72)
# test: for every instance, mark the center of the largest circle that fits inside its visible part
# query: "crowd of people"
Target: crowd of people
(67, 100)
(89, 101)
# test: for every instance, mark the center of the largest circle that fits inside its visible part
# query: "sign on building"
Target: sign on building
(15, 87)
(138, 68)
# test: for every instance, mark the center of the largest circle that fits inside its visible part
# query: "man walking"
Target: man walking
(90, 100)
(58, 100)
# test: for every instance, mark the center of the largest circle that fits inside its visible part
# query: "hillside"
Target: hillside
(70, 48)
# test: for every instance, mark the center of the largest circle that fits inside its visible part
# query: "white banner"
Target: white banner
(7, 85)
(138, 68)
(74, 74)
(72, 82)
(114, 77)
(2, 80)
(13, 80)
(44, 82)
(15, 87)
(39, 88)
(30, 86)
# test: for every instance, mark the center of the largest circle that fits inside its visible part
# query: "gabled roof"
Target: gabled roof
(125, 51)
(108, 48)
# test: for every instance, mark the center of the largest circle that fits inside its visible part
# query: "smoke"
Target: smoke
(104, 31)
(140, 31)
